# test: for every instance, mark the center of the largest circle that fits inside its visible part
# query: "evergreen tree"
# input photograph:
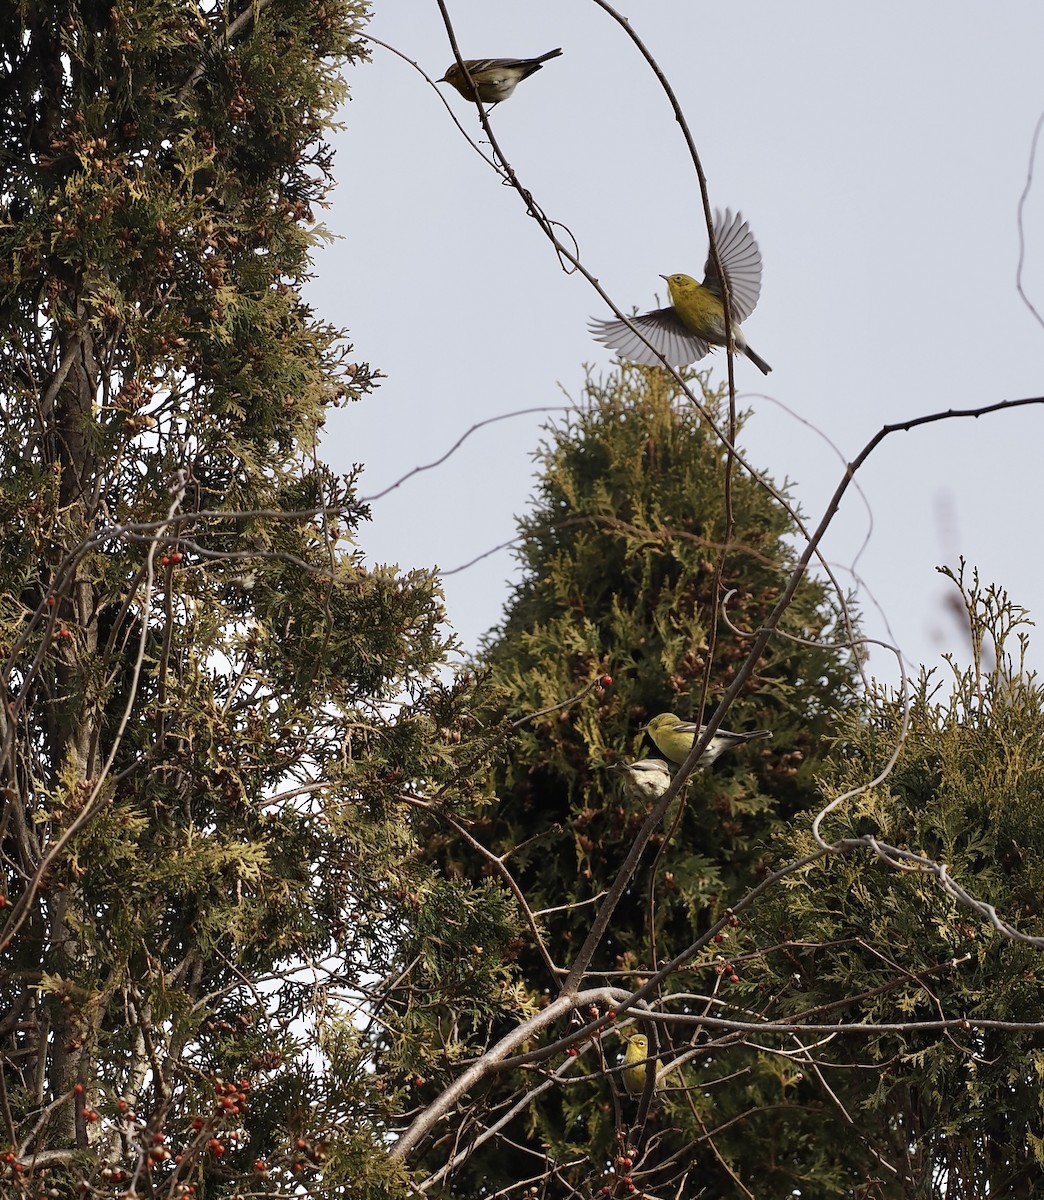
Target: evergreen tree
(211, 708)
(627, 557)
(957, 1112)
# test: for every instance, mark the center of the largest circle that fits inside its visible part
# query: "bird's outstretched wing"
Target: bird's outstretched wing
(663, 328)
(740, 260)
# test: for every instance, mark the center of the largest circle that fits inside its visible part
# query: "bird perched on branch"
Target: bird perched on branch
(636, 1053)
(494, 78)
(695, 319)
(675, 739)
(646, 779)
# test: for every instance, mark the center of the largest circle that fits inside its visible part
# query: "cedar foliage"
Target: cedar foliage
(618, 576)
(953, 1114)
(619, 557)
(211, 706)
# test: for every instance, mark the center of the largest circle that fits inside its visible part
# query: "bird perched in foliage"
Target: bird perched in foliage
(494, 78)
(695, 319)
(675, 739)
(646, 779)
(635, 1064)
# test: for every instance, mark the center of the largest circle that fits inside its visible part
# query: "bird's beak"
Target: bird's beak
(667, 277)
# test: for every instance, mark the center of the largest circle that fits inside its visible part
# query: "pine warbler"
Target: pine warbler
(494, 78)
(646, 779)
(637, 1053)
(695, 320)
(675, 738)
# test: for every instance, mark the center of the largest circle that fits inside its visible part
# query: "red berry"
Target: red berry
(719, 938)
(197, 1123)
(260, 1165)
(733, 978)
(165, 561)
(606, 681)
(176, 557)
(572, 1052)
(78, 1089)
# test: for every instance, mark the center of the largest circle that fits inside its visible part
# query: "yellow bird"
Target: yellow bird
(637, 1053)
(685, 331)
(675, 738)
(494, 78)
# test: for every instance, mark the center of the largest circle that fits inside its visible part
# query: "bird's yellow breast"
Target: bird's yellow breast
(699, 309)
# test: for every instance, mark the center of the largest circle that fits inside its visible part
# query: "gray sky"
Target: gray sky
(878, 152)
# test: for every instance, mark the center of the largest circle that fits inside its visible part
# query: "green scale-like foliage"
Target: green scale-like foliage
(619, 558)
(618, 574)
(960, 1112)
(213, 727)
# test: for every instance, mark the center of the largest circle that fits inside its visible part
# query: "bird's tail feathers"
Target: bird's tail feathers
(757, 360)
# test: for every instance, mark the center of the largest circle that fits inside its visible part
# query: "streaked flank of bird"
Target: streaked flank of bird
(646, 779)
(694, 321)
(675, 738)
(493, 78)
